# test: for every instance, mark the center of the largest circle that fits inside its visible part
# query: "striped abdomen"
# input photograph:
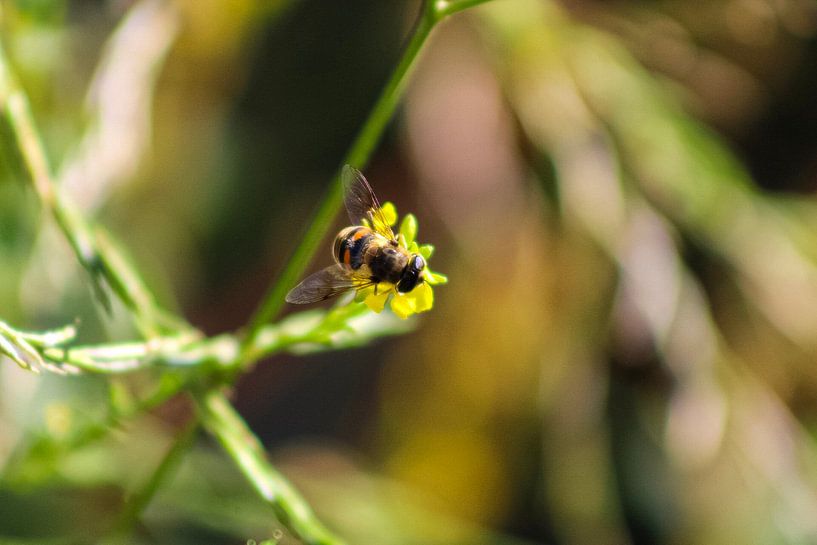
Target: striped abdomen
(350, 246)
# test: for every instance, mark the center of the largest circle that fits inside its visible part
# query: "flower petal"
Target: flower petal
(408, 228)
(426, 250)
(389, 213)
(403, 305)
(376, 301)
(423, 297)
(385, 287)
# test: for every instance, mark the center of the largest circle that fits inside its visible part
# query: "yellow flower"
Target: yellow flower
(421, 298)
(376, 300)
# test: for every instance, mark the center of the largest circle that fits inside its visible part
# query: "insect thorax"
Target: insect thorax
(388, 262)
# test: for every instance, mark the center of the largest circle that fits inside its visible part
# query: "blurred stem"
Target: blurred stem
(97, 253)
(220, 418)
(359, 153)
(140, 500)
(212, 354)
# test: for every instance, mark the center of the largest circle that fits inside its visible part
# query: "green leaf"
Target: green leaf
(408, 228)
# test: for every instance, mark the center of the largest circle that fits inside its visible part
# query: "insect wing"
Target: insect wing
(361, 202)
(323, 284)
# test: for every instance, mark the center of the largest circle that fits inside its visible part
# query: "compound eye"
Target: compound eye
(419, 263)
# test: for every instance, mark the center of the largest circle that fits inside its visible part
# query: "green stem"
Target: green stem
(226, 425)
(209, 355)
(140, 500)
(358, 156)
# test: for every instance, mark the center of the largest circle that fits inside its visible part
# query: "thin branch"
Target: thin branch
(137, 503)
(246, 451)
(343, 326)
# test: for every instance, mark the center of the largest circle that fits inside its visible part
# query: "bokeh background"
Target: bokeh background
(622, 194)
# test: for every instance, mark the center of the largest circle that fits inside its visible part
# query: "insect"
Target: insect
(366, 253)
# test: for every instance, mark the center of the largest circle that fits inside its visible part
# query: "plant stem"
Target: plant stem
(324, 330)
(358, 156)
(140, 500)
(220, 418)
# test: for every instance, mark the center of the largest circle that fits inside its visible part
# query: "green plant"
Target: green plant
(186, 360)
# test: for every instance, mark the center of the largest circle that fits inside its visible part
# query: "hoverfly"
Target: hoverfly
(365, 253)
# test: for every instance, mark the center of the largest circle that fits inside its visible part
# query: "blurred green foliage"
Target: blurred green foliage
(621, 192)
